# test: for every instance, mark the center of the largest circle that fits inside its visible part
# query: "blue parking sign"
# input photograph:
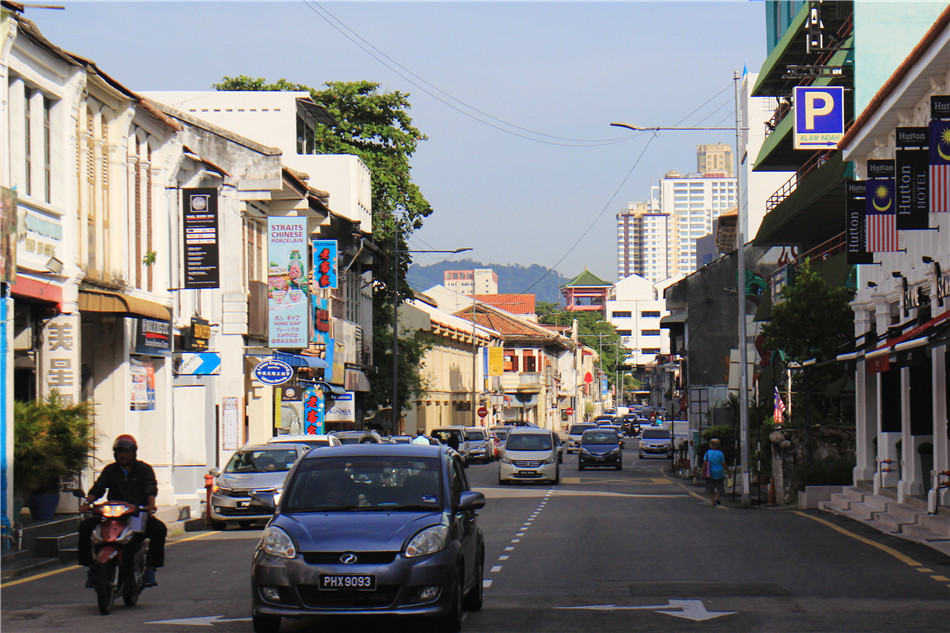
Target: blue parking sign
(819, 116)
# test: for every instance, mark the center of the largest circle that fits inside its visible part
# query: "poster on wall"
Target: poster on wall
(229, 423)
(200, 223)
(143, 384)
(288, 304)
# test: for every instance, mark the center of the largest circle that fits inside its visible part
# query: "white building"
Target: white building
(693, 202)
(481, 281)
(636, 314)
(643, 242)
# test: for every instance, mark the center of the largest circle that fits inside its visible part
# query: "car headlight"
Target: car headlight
(506, 460)
(616, 450)
(550, 460)
(276, 542)
(428, 541)
(221, 490)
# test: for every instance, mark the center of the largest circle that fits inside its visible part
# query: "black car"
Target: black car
(388, 529)
(600, 447)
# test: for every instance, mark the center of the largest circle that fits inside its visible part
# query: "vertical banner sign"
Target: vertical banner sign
(857, 225)
(880, 207)
(940, 154)
(287, 298)
(8, 234)
(496, 361)
(321, 333)
(819, 116)
(314, 409)
(912, 171)
(200, 220)
(230, 413)
(325, 264)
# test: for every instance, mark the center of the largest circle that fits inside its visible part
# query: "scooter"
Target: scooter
(118, 549)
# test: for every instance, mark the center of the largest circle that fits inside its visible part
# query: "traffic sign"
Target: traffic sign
(482, 412)
(273, 372)
(588, 378)
(569, 411)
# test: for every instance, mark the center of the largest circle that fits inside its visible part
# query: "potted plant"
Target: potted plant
(52, 440)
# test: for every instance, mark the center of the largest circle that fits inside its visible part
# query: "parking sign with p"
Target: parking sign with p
(819, 116)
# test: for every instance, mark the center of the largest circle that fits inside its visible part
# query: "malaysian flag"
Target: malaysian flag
(881, 215)
(779, 414)
(940, 166)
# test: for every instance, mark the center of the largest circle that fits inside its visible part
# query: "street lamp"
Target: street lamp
(740, 281)
(396, 259)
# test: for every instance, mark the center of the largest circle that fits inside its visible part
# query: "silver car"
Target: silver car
(254, 469)
(480, 444)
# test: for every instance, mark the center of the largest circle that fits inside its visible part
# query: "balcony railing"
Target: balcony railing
(823, 251)
(810, 166)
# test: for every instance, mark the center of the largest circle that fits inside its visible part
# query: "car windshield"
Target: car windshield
(600, 437)
(528, 442)
(475, 435)
(656, 434)
(578, 429)
(367, 483)
(501, 434)
(446, 434)
(262, 461)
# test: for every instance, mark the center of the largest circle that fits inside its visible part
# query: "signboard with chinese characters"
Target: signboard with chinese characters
(819, 116)
(288, 304)
(230, 416)
(313, 411)
(200, 220)
(325, 264)
(61, 361)
(8, 234)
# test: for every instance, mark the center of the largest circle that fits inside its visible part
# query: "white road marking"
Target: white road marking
(207, 620)
(693, 610)
(486, 584)
(503, 557)
(495, 569)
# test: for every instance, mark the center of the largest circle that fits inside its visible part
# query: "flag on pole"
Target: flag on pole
(940, 165)
(881, 215)
(779, 409)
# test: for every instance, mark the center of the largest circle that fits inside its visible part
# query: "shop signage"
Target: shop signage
(314, 411)
(152, 337)
(200, 220)
(199, 364)
(288, 301)
(912, 170)
(325, 264)
(857, 228)
(343, 409)
(273, 372)
(8, 234)
(819, 116)
(199, 336)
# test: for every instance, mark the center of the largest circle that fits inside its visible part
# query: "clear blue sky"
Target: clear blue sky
(539, 71)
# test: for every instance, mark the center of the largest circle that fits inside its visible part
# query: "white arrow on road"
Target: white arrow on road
(206, 620)
(693, 610)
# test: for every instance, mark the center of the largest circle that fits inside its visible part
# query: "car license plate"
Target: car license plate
(243, 504)
(361, 582)
(527, 473)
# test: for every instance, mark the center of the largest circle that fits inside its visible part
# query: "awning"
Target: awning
(673, 319)
(355, 380)
(120, 303)
(24, 287)
(924, 334)
(302, 360)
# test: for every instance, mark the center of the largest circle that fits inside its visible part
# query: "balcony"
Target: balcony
(531, 382)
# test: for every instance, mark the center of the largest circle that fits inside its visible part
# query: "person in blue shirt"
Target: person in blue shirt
(716, 481)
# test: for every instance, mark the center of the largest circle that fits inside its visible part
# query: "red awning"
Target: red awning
(879, 359)
(27, 288)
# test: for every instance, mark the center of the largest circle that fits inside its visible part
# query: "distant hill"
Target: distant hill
(512, 279)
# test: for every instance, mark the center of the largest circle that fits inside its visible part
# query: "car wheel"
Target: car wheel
(640, 455)
(451, 622)
(580, 466)
(475, 596)
(218, 525)
(619, 466)
(266, 623)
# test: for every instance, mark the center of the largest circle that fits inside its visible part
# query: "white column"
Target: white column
(940, 442)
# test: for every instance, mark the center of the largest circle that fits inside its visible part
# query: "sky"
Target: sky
(516, 98)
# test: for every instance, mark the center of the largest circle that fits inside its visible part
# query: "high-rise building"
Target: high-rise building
(715, 159)
(643, 242)
(482, 281)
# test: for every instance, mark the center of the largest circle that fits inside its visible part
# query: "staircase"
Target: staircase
(908, 520)
(41, 544)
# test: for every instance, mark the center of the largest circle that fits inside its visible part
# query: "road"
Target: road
(605, 551)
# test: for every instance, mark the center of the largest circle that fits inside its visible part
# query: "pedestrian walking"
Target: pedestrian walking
(714, 471)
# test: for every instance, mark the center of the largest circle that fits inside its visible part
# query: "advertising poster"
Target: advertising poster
(143, 385)
(200, 220)
(314, 410)
(343, 409)
(325, 264)
(230, 415)
(288, 304)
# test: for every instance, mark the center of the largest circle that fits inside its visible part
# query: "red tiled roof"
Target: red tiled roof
(516, 304)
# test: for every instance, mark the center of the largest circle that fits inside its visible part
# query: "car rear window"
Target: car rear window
(600, 437)
(656, 434)
(475, 435)
(528, 442)
(368, 483)
(577, 429)
(500, 433)
(262, 461)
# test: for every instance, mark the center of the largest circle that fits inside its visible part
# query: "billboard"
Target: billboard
(200, 223)
(288, 303)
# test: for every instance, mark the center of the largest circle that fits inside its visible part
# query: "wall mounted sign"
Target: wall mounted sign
(819, 116)
(912, 170)
(273, 372)
(152, 337)
(200, 220)
(325, 263)
(199, 364)
(199, 335)
(288, 302)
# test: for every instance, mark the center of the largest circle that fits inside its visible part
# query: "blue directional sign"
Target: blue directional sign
(200, 364)
(273, 372)
(819, 116)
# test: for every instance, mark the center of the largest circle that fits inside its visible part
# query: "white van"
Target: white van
(531, 454)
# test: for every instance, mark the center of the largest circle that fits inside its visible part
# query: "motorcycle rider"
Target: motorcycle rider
(133, 481)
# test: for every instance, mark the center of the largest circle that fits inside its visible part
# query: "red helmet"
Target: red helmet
(125, 441)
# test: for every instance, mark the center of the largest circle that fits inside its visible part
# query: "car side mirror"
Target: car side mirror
(263, 501)
(214, 472)
(471, 500)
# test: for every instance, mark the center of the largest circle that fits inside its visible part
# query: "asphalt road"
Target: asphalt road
(605, 551)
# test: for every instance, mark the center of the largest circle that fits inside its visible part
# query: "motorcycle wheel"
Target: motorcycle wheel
(105, 590)
(131, 597)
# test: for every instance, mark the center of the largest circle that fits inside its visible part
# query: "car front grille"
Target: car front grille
(244, 494)
(527, 464)
(239, 512)
(362, 558)
(314, 598)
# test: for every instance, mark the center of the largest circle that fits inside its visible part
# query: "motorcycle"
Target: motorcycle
(118, 549)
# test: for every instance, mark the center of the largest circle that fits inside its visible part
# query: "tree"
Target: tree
(813, 321)
(592, 331)
(376, 127)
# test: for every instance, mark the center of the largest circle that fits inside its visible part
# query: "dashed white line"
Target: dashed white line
(503, 557)
(495, 569)
(509, 548)
(486, 583)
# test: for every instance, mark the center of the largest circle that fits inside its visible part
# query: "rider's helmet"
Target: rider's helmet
(126, 441)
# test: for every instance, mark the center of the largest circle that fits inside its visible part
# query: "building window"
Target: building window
(27, 142)
(624, 333)
(621, 314)
(511, 360)
(529, 363)
(649, 332)
(650, 351)
(47, 140)
(650, 314)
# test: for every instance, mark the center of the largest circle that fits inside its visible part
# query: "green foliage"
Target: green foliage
(833, 471)
(376, 127)
(592, 331)
(726, 434)
(51, 440)
(150, 257)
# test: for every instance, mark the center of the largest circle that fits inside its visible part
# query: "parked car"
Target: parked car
(518, 423)
(358, 437)
(479, 444)
(454, 436)
(601, 420)
(600, 447)
(361, 530)
(574, 435)
(398, 439)
(656, 440)
(501, 432)
(253, 469)
(311, 440)
(531, 454)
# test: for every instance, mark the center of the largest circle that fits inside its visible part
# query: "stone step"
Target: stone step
(930, 528)
(27, 565)
(896, 518)
(869, 508)
(53, 545)
(842, 501)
